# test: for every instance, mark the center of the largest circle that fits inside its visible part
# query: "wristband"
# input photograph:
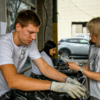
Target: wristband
(80, 70)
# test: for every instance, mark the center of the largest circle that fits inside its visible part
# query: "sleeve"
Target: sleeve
(33, 52)
(48, 60)
(90, 51)
(6, 53)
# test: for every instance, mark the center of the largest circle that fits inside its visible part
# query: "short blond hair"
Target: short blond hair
(93, 27)
(26, 17)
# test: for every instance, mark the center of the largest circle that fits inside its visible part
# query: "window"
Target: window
(61, 40)
(78, 27)
(83, 41)
(14, 6)
(72, 41)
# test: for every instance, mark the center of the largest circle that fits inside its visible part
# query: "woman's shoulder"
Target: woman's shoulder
(44, 55)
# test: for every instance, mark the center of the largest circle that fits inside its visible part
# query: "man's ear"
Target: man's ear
(18, 27)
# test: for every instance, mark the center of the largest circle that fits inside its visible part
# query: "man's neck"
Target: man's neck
(15, 38)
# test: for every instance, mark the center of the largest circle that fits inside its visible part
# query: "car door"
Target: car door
(84, 46)
(73, 46)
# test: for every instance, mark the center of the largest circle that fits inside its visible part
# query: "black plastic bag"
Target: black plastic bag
(23, 95)
(7, 96)
(28, 95)
(50, 95)
(36, 95)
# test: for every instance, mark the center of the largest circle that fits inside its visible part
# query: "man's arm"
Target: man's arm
(49, 71)
(21, 82)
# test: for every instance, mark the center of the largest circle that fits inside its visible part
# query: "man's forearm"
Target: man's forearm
(54, 74)
(25, 83)
(49, 71)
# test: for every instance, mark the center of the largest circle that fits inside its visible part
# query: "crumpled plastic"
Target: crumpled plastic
(36, 95)
(7, 96)
(66, 59)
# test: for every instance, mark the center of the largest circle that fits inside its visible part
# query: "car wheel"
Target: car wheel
(64, 52)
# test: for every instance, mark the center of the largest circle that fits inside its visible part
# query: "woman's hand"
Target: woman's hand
(67, 65)
(73, 66)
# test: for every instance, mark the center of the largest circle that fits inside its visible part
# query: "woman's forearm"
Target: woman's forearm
(92, 75)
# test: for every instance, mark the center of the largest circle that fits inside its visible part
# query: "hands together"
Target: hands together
(72, 66)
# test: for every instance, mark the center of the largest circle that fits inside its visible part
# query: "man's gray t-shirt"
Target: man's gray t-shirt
(17, 55)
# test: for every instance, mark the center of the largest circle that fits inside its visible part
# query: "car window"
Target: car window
(72, 40)
(61, 40)
(83, 41)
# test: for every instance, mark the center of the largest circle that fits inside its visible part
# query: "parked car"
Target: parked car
(83, 35)
(74, 47)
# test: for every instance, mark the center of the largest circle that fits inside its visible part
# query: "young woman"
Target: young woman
(47, 54)
(92, 69)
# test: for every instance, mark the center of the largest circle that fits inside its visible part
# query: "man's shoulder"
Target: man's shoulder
(6, 39)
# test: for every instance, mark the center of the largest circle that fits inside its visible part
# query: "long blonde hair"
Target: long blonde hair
(93, 27)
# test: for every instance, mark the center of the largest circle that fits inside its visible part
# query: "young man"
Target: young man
(14, 49)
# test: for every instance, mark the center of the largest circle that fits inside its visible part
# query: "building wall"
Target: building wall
(75, 11)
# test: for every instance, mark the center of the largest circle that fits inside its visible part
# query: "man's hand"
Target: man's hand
(70, 80)
(72, 89)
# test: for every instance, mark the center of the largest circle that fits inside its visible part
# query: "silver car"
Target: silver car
(74, 47)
